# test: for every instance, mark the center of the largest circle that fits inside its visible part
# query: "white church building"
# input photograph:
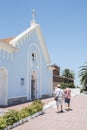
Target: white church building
(25, 72)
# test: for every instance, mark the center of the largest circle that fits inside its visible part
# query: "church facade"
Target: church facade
(25, 72)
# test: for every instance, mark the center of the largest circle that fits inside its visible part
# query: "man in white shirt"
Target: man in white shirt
(60, 96)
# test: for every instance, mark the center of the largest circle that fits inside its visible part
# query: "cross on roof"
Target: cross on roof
(33, 15)
(33, 22)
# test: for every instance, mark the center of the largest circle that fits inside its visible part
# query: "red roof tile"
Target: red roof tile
(7, 39)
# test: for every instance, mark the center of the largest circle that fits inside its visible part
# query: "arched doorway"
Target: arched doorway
(3, 86)
(33, 86)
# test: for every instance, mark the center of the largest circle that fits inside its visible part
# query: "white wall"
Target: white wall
(75, 91)
(17, 69)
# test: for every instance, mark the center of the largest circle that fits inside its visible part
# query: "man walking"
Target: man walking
(60, 96)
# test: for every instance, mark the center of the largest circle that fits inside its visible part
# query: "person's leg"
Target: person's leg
(61, 105)
(57, 104)
(68, 104)
(61, 108)
(57, 108)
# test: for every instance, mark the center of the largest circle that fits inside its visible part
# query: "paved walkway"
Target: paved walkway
(72, 120)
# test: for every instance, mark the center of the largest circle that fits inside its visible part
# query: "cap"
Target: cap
(58, 85)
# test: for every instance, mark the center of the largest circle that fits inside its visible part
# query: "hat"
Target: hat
(58, 85)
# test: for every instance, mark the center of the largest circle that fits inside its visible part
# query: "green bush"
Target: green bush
(70, 85)
(13, 116)
(24, 112)
(81, 90)
(2, 123)
(63, 85)
(38, 105)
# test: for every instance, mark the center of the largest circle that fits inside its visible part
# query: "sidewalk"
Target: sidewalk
(72, 120)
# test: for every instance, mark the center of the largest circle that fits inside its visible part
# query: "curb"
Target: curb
(23, 120)
(45, 108)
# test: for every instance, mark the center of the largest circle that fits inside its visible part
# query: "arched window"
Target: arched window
(33, 56)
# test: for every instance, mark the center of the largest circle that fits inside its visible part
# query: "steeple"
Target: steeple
(33, 22)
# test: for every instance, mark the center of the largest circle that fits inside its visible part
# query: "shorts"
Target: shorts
(59, 102)
(67, 100)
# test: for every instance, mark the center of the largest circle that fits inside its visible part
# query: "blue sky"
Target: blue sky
(63, 23)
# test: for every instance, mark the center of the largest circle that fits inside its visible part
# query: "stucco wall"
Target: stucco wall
(19, 67)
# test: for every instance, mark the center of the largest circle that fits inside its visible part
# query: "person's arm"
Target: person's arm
(63, 95)
(55, 93)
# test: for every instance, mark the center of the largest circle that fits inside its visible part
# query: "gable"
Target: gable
(43, 45)
(28, 31)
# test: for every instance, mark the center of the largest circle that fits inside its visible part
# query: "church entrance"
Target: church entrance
(33, 86)
(3, 86)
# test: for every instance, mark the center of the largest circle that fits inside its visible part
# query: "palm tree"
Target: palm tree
(68, 73)
(83, 74)
(69, 77)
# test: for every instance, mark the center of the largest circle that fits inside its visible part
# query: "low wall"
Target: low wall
(75, 91)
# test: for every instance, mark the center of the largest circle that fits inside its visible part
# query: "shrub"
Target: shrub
(63, 85)
(11, 117)
(70, 85)
(38, 105)
(24, 112)
(2, 123)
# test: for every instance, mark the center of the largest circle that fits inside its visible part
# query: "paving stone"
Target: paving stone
(76, 119)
